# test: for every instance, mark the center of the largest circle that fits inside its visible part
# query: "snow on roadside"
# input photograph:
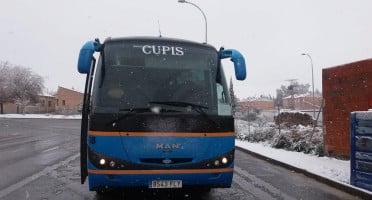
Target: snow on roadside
(331, 168)
(39, 116)
(334, 169)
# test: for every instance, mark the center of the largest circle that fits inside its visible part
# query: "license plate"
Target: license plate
(166, 184)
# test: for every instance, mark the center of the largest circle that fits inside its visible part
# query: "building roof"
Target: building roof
(70, 90)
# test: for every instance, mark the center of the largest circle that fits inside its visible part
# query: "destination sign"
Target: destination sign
(162, 50)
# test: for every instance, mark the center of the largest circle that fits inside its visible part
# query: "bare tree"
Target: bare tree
(26, 86)
(19, 85)
(5, 93)
(278, 101)
(294, 88)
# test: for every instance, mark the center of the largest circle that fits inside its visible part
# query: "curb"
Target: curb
(349, 189)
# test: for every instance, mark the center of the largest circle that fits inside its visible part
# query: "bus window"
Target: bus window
(224, 107)
(130, 77)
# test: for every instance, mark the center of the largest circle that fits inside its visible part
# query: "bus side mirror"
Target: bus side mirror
(86, 57)
(239, 62)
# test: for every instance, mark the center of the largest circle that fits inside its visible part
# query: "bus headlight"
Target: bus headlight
(101, 161)
(224, 160)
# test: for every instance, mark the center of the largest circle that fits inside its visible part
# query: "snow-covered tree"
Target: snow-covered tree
(5, 93)
(278, 101)
(234, 99)
(19, 85)
(294, 88)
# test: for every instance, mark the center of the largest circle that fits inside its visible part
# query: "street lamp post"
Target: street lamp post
(312, 77)
(205, 18)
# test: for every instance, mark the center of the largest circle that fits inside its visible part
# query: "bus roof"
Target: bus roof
(158, 39)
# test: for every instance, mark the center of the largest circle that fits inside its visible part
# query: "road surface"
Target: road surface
(39, 159)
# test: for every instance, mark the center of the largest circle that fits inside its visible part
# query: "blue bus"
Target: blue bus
(156, 114)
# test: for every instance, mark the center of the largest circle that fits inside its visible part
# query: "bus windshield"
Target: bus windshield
(140, 74)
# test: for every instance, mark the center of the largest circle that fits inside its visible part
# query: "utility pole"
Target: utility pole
(312, 78)
(205, 17)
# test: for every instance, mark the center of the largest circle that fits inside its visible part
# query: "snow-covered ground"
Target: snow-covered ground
(331, 168)
(40, 116)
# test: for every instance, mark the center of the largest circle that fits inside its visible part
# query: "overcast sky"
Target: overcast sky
(46, 35)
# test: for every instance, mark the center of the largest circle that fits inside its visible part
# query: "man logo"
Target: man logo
(167, 161)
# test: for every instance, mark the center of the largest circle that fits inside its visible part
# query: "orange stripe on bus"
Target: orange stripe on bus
(175, 171)
(161, 134)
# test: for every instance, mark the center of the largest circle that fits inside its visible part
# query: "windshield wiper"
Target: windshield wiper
(131, 111)
(195, 107)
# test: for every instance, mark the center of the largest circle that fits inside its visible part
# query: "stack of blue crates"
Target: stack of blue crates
(361, 149)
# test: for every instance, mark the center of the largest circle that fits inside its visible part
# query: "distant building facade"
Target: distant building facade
(297, 102)
(65, 101)
(68, 101)
(47, 104)
(302, 102)
(259, 104)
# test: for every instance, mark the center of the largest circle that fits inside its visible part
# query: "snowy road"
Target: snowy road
(27, 146)
(39, 160)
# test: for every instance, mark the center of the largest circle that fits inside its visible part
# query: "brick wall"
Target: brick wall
(346, 88)
(10, 108)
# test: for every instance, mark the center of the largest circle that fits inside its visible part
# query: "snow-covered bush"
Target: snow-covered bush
(294, 138)
(298, 138)
(257, 131)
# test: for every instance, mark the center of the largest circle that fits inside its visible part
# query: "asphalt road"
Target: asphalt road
(39, 159)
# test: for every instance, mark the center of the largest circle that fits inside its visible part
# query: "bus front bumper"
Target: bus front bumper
(210, 178)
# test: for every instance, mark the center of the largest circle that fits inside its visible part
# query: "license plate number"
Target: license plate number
(166, 184)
